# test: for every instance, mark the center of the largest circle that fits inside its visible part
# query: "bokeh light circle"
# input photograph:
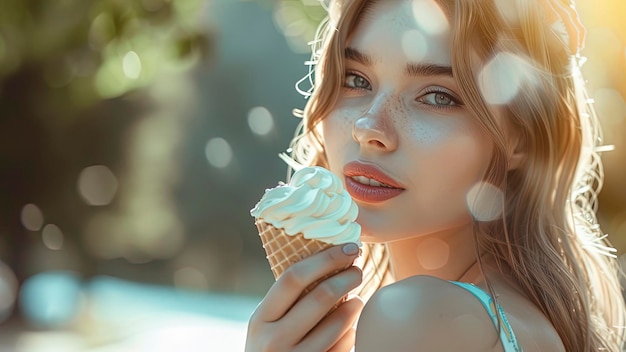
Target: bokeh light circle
(260, 120)
(218, 152)
(8, 291)
(503, 76)
(52, 237)
(485, 201)
(131, 65)
(97, 185)
(32, 217)
(50, 299)
(430, 17)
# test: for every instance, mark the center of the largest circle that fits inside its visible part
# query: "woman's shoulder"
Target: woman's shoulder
(424, 313)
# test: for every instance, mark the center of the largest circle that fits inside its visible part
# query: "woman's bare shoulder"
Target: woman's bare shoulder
(423, 313)
(533, 329)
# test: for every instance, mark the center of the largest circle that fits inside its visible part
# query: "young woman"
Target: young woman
(462, 131)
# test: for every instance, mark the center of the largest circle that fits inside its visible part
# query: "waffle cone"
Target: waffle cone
(284, 250)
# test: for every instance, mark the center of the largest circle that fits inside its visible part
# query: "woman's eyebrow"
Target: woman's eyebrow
(425, 69)
(355, 55)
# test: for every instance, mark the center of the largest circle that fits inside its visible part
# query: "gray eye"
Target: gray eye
(356, 81)
(442, 99)
(438, 98)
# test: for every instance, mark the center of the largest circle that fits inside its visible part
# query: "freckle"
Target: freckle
(433, 253)
(420, 133)
(467, 328)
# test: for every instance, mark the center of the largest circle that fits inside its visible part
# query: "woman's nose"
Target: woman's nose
(375, 130)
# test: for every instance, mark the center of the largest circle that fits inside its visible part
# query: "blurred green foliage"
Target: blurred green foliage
(71, 79)
(77, 52)
(298, 20)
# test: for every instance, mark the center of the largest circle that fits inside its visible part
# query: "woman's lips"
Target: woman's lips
(370, 193)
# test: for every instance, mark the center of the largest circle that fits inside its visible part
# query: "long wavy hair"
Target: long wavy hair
(547, 238)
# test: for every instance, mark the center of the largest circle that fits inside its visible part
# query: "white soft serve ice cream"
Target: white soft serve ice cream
(315, 204)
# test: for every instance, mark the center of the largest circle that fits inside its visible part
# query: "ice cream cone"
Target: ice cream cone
(283, 250)
(311, 213)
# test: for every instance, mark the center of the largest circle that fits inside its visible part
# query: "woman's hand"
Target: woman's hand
(284, 321)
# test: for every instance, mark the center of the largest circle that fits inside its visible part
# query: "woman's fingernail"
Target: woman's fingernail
(350, 249)
(353, 296)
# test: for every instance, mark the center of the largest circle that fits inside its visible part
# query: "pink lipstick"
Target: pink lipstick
(369, 184)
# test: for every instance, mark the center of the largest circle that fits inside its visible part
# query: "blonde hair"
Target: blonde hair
(548, 238)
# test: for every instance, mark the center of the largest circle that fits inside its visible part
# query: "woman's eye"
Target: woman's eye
(355, 81)
(438, 99)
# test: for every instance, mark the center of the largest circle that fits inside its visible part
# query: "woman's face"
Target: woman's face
(399, 136)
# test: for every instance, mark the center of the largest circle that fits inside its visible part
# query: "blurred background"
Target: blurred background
(135, 135)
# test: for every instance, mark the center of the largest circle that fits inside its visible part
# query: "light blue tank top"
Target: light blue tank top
(506, 332)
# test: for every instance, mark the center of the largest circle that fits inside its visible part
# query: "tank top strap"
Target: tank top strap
(507, 337)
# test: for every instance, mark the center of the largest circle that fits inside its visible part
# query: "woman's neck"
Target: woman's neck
(447, 255)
